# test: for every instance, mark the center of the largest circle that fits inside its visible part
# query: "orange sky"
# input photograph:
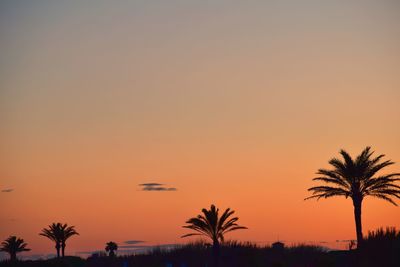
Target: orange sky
(232, 103)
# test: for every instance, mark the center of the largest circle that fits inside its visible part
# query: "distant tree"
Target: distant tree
(12, 246)
(213, 226)
(67, 232)
(59, 234)
(357, 179)
(111, 247)
(54, 233)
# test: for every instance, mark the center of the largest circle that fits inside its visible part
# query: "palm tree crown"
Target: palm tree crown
(13, 245)
(111, 247)
(54, 233)
(211, 225)
(357, 178)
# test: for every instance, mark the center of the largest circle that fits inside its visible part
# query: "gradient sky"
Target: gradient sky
(236, 103)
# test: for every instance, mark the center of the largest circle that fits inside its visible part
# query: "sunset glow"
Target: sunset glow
(233, 103)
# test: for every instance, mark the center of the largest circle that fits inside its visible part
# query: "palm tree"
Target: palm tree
(111, 247)
(12, 246)
(357, 178)
(214, 227)
(59, 233)
(54, 233)
(67, 232)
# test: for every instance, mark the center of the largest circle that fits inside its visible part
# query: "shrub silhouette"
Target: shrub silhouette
(383, 247)
(111, 247)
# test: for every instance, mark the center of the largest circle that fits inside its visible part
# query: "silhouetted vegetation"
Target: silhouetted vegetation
(354, 178)
(111, 247)
(239, 254)
(357, 178)
(59, 233)
(12, 246)
(214, 227)
(383, 247)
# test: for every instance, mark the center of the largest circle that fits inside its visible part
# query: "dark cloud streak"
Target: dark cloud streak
(151, 184)
(7, 190)
(132, 242)
(153, 188)
(156, 187)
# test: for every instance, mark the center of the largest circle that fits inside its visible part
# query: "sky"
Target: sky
(233, 103)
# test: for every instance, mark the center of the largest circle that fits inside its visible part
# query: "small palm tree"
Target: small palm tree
(12, 246)
(54, 233)
(111, 247)
(357, 178)
(67, 232)
(213, 226)
(59, 233)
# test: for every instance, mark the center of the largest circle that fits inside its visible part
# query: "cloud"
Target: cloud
(151, 184)
(159, 188)
(131, 250)
(132, 246)
(156, 187)
(7, 190)
(132, 242)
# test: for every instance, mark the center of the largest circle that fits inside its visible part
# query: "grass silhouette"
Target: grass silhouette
(380, 249)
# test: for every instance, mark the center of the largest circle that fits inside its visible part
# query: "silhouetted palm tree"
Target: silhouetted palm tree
(59, 233)
(214, 227)
(67, 232)
(54, 233)
(356, 178)
(111, 247)
(12, 246)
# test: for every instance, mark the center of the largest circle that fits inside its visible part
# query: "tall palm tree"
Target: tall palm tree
(213, 226)
(59, 233)
(12, 246)
(357, 178)
(111, 247)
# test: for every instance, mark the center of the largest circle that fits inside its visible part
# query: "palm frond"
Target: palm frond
(356, 178)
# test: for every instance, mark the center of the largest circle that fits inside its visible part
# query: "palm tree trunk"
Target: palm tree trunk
(357, 217)
(63, 245)
(58, 249)
(13, 256)
(216, 251)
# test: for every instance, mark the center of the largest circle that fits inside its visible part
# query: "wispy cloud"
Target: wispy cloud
(133, 246)
(156, 187)
(151, 184)
(132, 242)
(153, 188)
(7, 190)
